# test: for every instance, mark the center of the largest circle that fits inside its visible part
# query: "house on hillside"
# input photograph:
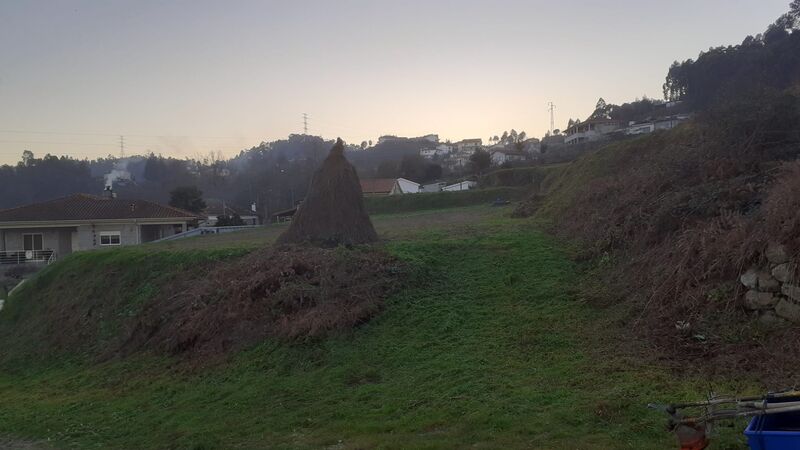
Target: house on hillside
(469, 145)
(507, 155)
(427, 153)
(41, 231)
(591, 130)
(372, 187)
(660, 123)
(216, 208)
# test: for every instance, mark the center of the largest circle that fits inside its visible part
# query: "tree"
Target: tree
(504, 137)
(413, 167)
(432, 172)
(187, 197)
(522, 136)
(481, 160)
(387, 169)
(28, 158)
(364, 145)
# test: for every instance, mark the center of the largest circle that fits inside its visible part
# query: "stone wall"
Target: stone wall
(774, 289)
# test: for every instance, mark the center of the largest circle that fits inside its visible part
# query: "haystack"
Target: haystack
(333, 212)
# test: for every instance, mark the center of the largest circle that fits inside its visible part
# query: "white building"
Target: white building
(444, 149)
(405, 186)
(461, 186)
(591, 130)
(428, 153)
(503, 156)
(469, 145)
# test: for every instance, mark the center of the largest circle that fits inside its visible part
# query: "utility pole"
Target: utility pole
(552, 108)
(305, 123)
(121, 147)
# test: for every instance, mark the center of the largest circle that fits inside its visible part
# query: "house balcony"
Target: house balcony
(8, 257)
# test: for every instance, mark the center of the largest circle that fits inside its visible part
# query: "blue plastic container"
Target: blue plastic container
(774, 432)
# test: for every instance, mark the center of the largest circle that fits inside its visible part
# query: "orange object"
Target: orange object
(692, 436)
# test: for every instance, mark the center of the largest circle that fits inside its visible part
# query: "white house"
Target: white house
(460, 186)
(591, 130)
(427, 152)
(407, 186)
(640, 128)
(469, 145)
(506, 155)
(661, 123)
(444, 149)
(371, 187)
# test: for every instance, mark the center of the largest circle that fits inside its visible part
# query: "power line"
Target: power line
(70, 133)
(52, 142)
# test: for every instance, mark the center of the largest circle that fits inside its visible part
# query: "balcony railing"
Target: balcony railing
(27, 256)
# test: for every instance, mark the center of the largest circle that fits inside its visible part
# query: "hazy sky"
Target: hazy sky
(188, 77)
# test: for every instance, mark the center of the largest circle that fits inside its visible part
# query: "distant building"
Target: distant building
(445, 149)
(40, 232)
(469, 145)
(428, 153)
(407, 186)
(377, 186)
(460, 186)
(373, 187)
(506, 155)
(389, 138)
(532, 146)
(433, 187)
(216, 208)
(591, 130)
(661, 123)
(434, 138)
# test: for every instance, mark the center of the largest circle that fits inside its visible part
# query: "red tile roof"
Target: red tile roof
(377, 185)
(91, 207)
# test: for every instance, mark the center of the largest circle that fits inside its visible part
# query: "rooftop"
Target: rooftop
(91, 207)
(377, 185)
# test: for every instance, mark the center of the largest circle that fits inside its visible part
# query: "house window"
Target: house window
(110, 238)
(32, 241)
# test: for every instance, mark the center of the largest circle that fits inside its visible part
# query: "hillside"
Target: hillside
(676, 217)
(486, 344)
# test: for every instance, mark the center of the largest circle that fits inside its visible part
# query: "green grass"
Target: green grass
(438, 200)
(530, 176)
(487, 346)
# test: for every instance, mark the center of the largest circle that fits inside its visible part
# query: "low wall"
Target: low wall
(773, 289)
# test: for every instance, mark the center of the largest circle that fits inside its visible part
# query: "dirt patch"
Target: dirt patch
(289, 292)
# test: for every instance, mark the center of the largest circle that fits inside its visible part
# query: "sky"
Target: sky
(185, 78)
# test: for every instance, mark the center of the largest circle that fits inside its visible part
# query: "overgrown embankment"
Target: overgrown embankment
(677, 216)
(202, 304)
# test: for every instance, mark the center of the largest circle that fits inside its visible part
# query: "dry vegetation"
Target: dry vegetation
(289, 292)
(679, 215)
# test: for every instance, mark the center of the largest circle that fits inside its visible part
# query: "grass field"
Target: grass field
(487, 346)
